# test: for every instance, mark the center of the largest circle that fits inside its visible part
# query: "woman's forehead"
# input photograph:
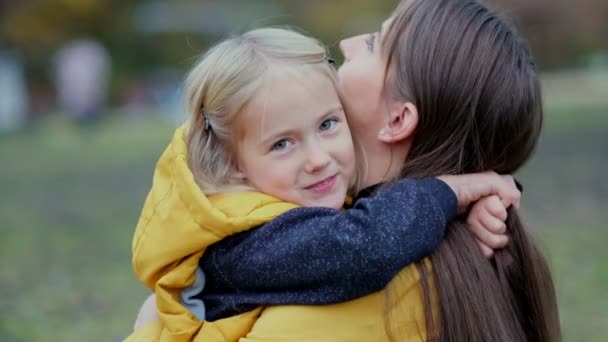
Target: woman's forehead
(385, 25)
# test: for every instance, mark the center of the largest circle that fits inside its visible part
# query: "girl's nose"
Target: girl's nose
(318, 159)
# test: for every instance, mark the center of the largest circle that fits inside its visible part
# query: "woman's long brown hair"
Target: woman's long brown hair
(478, 96)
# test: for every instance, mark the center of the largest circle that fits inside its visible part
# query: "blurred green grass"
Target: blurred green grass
(71, 198)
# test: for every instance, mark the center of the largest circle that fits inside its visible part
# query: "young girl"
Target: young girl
(267, 133)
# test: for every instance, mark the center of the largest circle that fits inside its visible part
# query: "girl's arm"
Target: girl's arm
(319, 255)
(323, 256)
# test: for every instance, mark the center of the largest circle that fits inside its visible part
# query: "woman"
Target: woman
(444, 87)
(469, 90)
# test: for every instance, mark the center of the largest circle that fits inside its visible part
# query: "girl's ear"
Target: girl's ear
(238, 173)
(401, 124)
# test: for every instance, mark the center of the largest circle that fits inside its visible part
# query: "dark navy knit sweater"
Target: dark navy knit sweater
(316, 255)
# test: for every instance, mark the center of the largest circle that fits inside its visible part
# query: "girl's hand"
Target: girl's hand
(470, 188)
(492, 194)
(147, 313)
(486, 221)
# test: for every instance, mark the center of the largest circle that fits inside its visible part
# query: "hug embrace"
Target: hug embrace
(371, 203)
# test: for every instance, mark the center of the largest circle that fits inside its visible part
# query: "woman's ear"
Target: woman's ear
(401, 124)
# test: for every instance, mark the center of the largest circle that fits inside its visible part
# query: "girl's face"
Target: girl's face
(296, 144)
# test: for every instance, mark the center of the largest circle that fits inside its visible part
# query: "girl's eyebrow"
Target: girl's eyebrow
(275, 135)
(333, 111)
(330, 112)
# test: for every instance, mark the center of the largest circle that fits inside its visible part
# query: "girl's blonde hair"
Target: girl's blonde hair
(221, 84)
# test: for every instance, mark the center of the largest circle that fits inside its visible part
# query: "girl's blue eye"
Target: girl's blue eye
(328, 124)
(281, 145)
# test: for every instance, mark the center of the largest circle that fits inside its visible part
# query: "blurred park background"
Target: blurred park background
(89, 97)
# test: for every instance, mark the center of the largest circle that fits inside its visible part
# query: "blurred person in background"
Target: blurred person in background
(82, 70)
(13, 92)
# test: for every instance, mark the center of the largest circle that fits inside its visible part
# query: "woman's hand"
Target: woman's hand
(147, 313)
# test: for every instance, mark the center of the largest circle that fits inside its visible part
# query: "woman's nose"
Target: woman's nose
(346, 47)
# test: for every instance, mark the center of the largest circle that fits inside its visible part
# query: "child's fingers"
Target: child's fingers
(494, 241)
(491, 223)
(484, 235)
(494, 206)
(487, 251)
(479, 223)
(509, 194)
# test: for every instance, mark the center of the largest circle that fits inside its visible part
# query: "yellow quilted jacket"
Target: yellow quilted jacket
(397, 311)
(178, 222)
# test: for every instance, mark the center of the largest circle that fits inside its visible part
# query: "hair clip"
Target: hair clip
(330, 60)
(207, 123)
(519, 186)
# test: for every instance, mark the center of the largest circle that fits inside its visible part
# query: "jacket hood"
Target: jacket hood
(178, 223)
